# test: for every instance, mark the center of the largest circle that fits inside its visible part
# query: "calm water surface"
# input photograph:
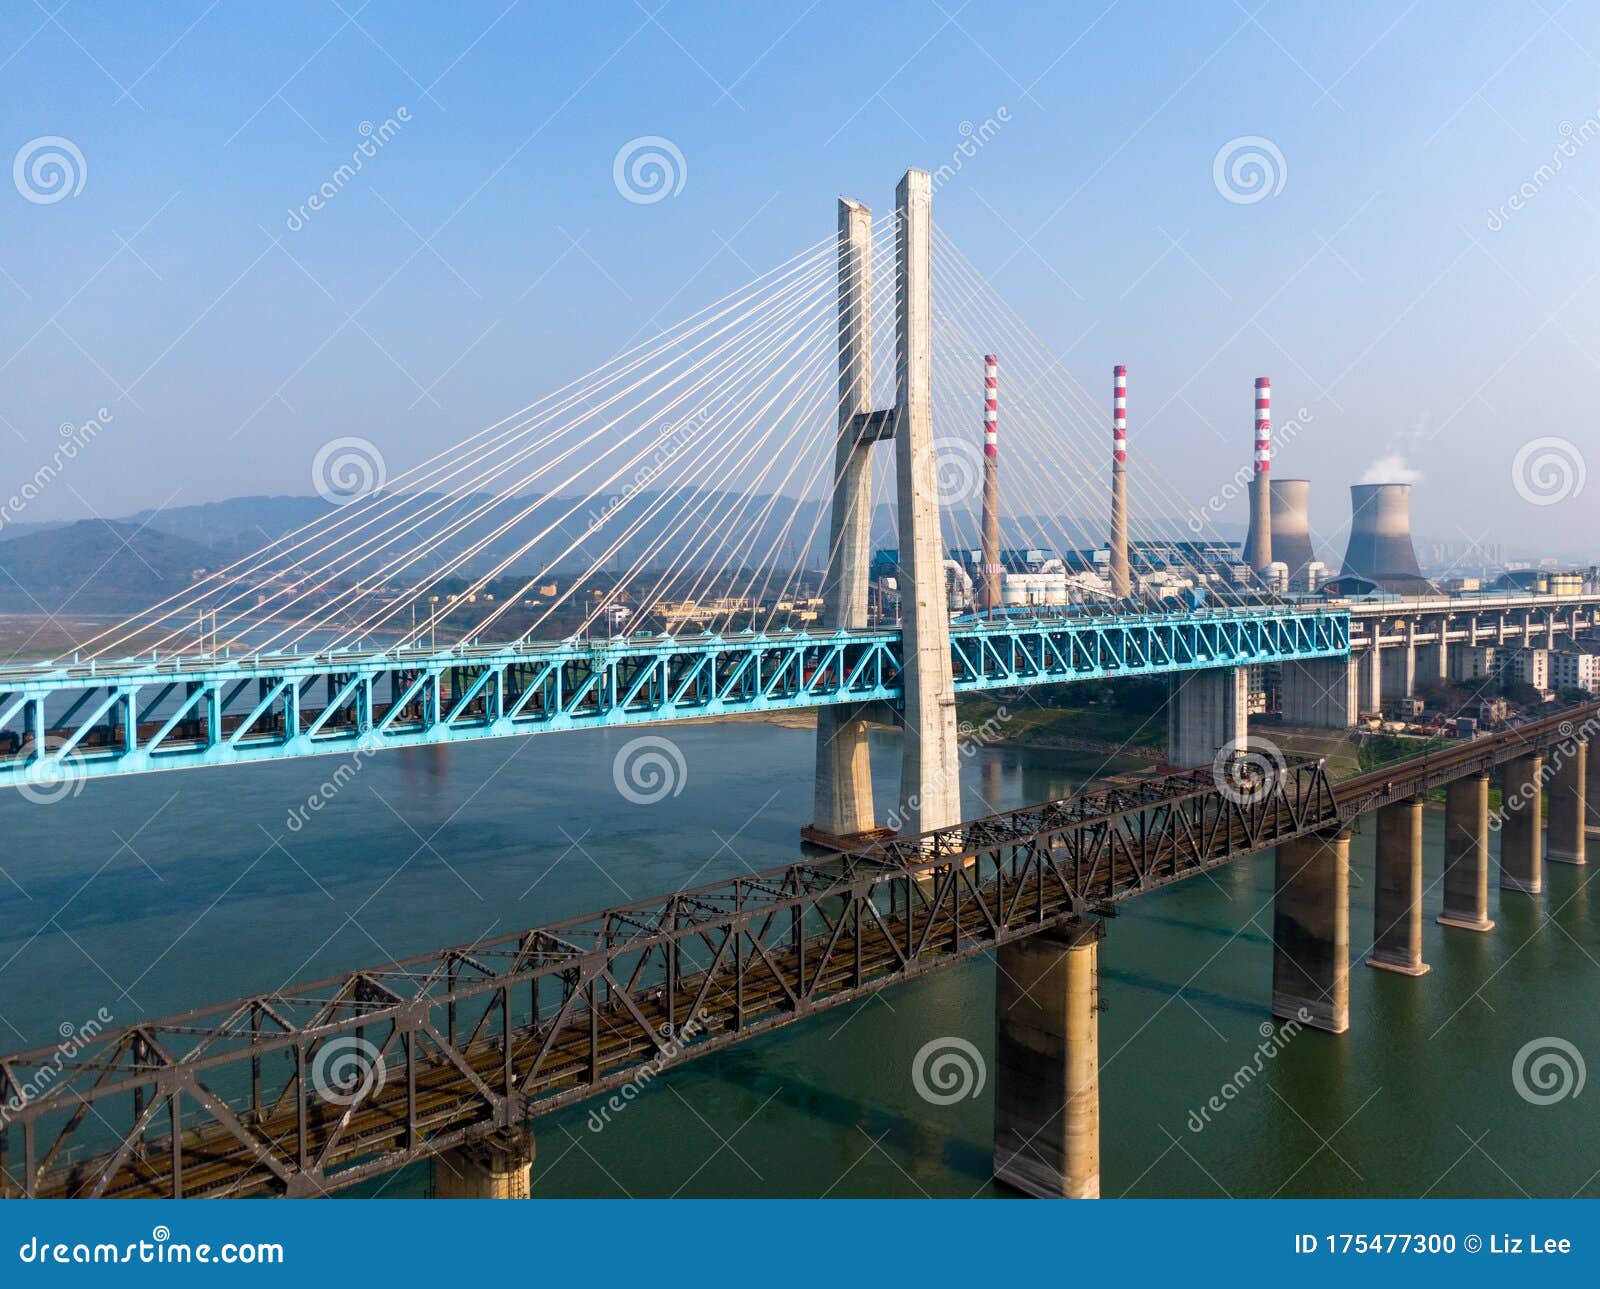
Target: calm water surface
(151, 895)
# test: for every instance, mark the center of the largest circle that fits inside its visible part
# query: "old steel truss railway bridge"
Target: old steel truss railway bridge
(313, 1088)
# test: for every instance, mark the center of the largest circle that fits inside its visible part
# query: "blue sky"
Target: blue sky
(485, 255)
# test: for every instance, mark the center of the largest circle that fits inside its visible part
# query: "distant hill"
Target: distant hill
(84, 566)
(96, 564)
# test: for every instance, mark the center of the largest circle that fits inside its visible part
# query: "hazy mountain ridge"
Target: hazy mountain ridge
(84, 564)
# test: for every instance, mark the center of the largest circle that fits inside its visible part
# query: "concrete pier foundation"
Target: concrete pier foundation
(1319, 692)
(1521, 825)
(1206, 710)
(1399, 671)
(1311, 932)
(1566, 842)
(1591, 797)
(1047, 1064)
(498, 1167)
(1397, 912)
(1433, 662)
(930, 766)
(1466, 854)
(1369, 680)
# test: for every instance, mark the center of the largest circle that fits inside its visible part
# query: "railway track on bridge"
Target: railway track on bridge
(317, 1087)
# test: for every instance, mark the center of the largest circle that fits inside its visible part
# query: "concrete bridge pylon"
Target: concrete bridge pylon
(930, 785)
(843, 806)
(930, 774)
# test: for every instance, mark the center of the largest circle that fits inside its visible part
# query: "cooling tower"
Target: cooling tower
(1291, 527)
(1380, 537)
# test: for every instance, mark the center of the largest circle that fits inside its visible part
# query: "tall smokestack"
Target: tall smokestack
(1258, 544)
(1119, 482)
(989, 571)
(1380, 537)
(1291, 527)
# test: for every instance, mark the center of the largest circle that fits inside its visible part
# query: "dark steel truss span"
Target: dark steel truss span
(322, 1085)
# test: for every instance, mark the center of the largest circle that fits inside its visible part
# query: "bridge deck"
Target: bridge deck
(63, 722)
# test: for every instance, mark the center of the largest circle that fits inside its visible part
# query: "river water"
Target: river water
(149, 895)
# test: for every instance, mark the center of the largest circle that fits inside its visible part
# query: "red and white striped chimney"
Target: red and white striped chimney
(1258, 545)
(1263, 424)
(989, 575)
(1120, 582)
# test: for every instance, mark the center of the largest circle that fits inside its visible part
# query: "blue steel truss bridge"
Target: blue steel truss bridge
(91, 719)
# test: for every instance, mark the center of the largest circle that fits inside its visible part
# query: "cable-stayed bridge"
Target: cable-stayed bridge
(594, 505)
(137, 716)
(661, 488)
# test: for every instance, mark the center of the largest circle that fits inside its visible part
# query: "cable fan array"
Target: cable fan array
(683, 484)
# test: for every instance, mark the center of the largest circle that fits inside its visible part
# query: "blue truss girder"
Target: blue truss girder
(64, 721)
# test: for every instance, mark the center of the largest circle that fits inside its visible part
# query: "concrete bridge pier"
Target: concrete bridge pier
(1206, 710)
(1397, 913)
(1591, 797)
(1433, 660)
(498, 1167)
(1567, 842)
(1047, 1064)
(1311, 932)
(1466, 854)
(1369, 680)
(1398, 669)
(1319, 692)
(1522, 825)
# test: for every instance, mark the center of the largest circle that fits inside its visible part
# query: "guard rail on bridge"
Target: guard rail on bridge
(66, 721)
